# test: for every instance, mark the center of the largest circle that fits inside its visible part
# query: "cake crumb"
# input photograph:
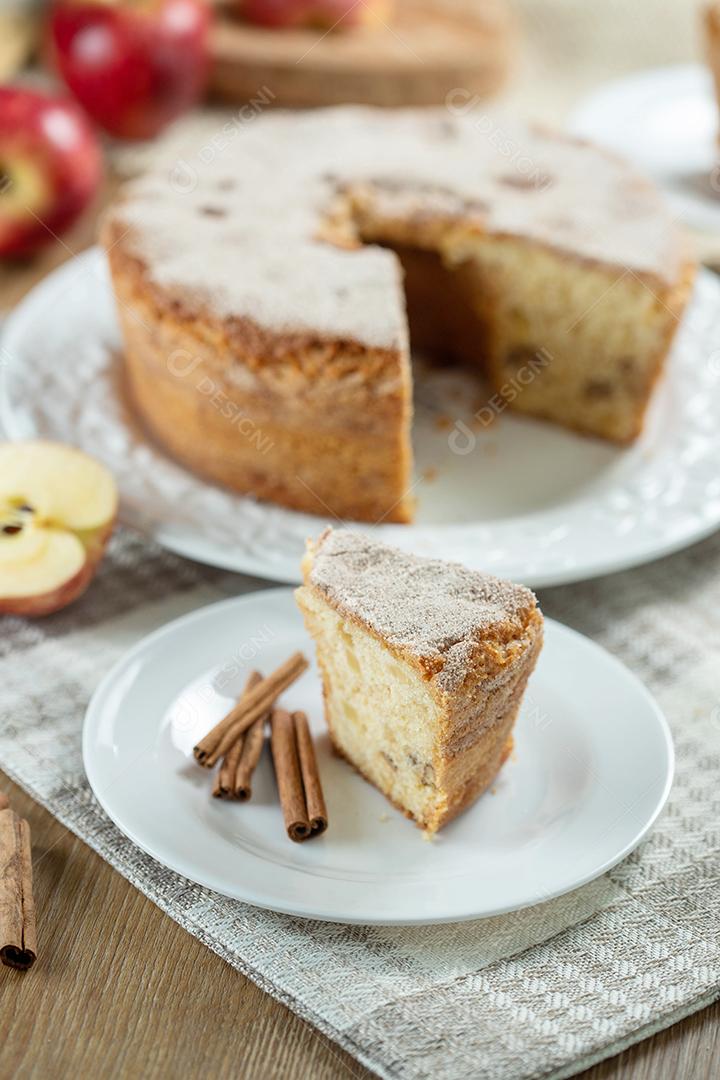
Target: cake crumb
(443, 422)
(430, 474)
(383, 818)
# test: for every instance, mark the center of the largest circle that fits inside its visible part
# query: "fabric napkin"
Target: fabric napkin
(541, 992)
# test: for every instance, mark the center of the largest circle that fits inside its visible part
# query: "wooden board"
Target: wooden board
(430, 48)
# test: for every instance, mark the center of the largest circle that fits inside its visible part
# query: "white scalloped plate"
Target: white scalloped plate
(591, 771)
(666, 121)
(520, 498)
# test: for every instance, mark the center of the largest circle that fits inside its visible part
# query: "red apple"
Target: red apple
(135, 65)
(50, 168)
(324, 14)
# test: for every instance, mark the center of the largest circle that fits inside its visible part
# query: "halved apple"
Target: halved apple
(57, 510)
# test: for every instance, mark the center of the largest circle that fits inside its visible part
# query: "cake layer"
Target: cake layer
(581, 349)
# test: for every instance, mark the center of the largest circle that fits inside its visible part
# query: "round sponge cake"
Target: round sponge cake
(268, 290)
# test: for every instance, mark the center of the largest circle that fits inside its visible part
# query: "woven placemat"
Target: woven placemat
(542, 992)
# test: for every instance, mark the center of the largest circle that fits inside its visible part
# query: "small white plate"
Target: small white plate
(519, 498)
(592, 768)
(666, 121)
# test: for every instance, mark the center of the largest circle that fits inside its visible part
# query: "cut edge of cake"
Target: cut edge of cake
(424, 665)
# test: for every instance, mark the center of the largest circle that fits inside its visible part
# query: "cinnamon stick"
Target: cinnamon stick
(314, 799)
(225, 781)
(18, 942)
(289, 778)
(252, 749)
(298, 779)
(249, 709)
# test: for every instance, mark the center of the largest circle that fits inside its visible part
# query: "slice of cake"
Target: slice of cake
(424, 664)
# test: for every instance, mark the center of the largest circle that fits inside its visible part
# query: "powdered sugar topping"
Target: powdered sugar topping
(437, 610)
(241, 230)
